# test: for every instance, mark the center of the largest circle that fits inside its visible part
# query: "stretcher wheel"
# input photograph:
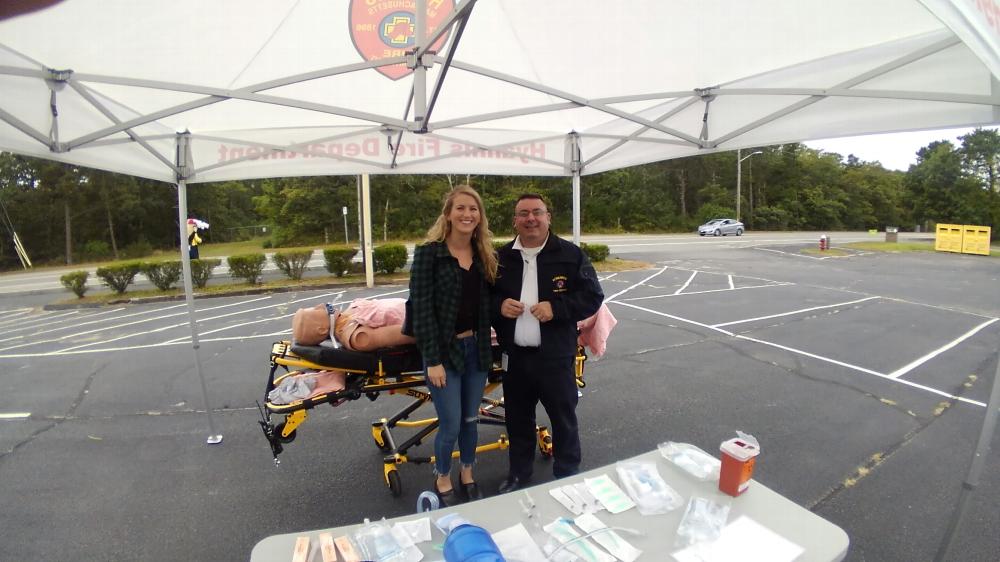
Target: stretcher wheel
(279, 429)
(381, 440)
(394, 482)
(544, 442)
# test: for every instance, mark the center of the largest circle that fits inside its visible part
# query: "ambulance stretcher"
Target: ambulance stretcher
(393, 371)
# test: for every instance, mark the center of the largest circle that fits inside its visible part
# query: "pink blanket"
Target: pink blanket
(328, 381)
(376, 313)
(594, 331)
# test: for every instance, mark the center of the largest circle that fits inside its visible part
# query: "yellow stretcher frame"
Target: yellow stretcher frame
(372, 384)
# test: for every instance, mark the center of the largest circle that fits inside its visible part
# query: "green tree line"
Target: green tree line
(68, 214)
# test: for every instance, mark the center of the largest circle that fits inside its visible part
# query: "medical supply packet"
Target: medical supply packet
(647, 488)
(691, 459)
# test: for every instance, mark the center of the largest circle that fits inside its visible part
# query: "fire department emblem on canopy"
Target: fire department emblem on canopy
(387, 28)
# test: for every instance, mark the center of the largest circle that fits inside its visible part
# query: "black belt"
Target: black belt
(519, 349)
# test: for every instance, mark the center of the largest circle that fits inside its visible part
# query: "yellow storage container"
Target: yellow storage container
(948, 238)
(976, 240)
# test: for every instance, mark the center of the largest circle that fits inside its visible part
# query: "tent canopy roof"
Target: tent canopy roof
(268, 88)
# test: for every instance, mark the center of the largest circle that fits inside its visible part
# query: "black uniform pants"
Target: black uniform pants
(532, 378)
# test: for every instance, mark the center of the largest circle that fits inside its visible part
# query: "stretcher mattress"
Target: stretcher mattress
(395, 360)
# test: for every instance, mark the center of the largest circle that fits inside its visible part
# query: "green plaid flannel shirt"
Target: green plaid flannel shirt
(435, 292)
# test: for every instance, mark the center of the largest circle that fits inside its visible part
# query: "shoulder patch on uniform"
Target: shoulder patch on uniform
(559, 284)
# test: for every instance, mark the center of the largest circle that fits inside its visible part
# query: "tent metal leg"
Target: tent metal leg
(214, 436)
(576, 208)
(975, 469)
(366, 220)
(574, 164)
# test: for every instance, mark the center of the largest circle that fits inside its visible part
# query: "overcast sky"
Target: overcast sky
(896, 151)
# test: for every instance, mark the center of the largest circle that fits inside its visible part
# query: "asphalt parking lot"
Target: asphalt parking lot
(864, 377)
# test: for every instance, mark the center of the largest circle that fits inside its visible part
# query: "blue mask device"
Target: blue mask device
(471, 543)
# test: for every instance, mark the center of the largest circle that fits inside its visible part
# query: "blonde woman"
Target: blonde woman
(450, 297)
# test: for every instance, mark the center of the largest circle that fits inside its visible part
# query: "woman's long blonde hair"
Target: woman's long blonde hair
(482, 238)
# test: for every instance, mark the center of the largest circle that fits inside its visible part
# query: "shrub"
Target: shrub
(138, 249)
(389, 257)
(76, 281)
(163, 274)
(497, 244)
(119, 276)
(338, 260)
(293, 264)
(596, 252)
(247, 266)
(201, 271)
(95, 250)
(771, 218)
(267, 244)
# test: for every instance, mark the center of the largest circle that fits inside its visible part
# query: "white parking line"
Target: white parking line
(42, 320)
(15, 416)
(125, 325)
(223, 329)
(143, 346)
(180, 324)
(178, 341)
(689, 293)
(817, 357)
(731, 286)
(15, 313)
(800, 311)
(907, 368)
(77, 348)
(78, 324)
(678, 318)
(630, 287)
(686, 283)
(864, 370)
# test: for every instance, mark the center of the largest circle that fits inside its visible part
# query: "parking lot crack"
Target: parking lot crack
(875, 460)
(54, 421)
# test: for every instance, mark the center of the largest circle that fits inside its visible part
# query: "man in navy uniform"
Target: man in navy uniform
(544, 286)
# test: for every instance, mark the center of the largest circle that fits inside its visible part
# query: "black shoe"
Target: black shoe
(445, 499)
(512, 484)
(470, 492)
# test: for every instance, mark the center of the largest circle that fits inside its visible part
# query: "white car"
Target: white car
(721, 227)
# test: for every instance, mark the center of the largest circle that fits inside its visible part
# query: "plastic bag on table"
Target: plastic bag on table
(643, 483)
(691, 459)
(703, 521)
(377, 542)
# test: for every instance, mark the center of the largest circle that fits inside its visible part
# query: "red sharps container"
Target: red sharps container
(738, 458)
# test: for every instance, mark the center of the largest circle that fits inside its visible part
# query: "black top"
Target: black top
(469, 303)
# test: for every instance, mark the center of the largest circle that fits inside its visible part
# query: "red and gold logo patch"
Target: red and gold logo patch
(387, 28)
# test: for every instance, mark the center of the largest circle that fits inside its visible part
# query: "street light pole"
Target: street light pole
(739, 177)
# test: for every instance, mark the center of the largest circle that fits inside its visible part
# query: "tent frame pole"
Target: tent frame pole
(975, 468)
(573, 161)
(419, 70)
(366, 220)
(184, 165)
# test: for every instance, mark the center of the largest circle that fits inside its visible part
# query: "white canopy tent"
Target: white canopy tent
(273, 88)
(560, 88)
(189, 91)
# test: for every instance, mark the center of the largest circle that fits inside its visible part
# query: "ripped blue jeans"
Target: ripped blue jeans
(457, 406)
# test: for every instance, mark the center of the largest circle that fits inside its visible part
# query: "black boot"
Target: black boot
(445, 499)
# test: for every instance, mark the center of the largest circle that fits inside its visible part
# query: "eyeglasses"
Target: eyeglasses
(536, 212)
